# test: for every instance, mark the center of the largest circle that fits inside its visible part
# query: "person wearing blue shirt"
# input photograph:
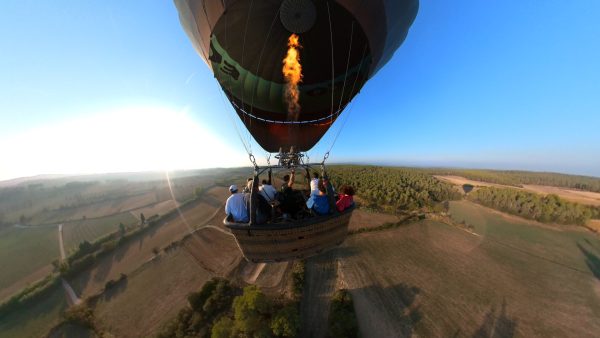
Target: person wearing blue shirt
(237, 206)
(319, 203)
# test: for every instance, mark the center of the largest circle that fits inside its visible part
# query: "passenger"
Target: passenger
(263, 210)
(236, 206)
(345, 200)
(314, 183)
(248, 187)
(319, 202)
(268, 191)
(288, 197)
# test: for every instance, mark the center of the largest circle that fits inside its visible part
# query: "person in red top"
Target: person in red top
(345, 199)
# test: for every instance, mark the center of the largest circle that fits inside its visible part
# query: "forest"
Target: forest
(518, 178)
(394, 189)
(546, 209)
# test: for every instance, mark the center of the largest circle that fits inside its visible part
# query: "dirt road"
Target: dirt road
(71, 295)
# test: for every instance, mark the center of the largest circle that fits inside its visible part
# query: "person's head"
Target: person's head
(315, 174)
(264, 182)
(249, 184)
(249, 179)
(233, 189)
(286, 178)
(347, 190)
(321, 186)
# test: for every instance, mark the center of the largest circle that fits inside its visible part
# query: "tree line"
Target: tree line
(546, 209)
(394, 189)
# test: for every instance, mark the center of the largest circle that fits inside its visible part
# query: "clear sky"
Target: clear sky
(116, 86)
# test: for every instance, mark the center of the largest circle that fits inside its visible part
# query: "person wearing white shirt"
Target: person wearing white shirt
(268, 191)
(314, 184)
(237, 206)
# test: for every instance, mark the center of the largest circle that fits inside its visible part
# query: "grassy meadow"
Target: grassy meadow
(24, 252)
(509, 278)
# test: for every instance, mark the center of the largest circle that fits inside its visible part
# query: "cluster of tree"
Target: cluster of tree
(205, 307)
(518, 178)
(222, 310)
(80, 315)
(547, 209)
(30, 294)
(394, 189)
(342, 318)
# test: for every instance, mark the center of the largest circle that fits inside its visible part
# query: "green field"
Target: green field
(565, 246)
(23, 251)
(35, 320)
(92, 229)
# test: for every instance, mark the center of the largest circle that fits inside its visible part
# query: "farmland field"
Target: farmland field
(577, 196)
(90, 229)
(34, 320)
(25, 256)
(510, 277)
(151, 296)
(128, 257)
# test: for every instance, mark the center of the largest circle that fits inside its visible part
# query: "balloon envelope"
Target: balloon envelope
(344, 43)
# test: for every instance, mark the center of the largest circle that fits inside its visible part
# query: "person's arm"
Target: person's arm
(292, 178)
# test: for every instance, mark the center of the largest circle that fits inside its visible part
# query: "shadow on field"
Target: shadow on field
(397, 307)
(500, 326)
(102, 270)
(592, 260)
(319, 286)
(340, 252)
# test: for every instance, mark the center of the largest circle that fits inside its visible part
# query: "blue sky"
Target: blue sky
(491, 84)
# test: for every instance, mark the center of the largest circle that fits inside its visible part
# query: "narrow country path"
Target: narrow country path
(72, 296)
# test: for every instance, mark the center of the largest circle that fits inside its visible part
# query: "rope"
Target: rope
(351, 103)
(246, 147)
(259, 62)
(347, 66)
(332, 62)
(244, 139)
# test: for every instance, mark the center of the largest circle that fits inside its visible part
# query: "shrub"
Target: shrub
(342, 319)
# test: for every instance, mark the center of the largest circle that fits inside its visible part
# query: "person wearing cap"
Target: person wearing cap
(236, 206)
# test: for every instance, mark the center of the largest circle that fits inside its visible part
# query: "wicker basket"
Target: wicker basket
(289, 241)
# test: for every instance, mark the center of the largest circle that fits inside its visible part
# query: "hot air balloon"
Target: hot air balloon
(289, 68)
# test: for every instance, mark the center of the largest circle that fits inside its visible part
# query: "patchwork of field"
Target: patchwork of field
(74, 198)
(128, 257)
(37, 319)
(152, 295)
(25, 256)
(159, 208)
(90, 229)
(507, 279)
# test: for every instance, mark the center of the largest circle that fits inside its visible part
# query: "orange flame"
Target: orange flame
(292, 72)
